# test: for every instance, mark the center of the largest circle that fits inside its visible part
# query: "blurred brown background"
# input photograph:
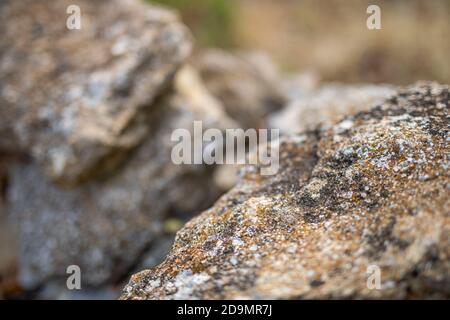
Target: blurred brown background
(330, 37)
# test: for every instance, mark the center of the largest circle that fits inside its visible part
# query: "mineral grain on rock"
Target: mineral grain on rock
(72, 98)
(106, 224)
(370, 192)
(327, 105)
(245, 83)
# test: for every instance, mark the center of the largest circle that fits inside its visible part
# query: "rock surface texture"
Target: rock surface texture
(371, 190)
(104, 225)
(73, 97)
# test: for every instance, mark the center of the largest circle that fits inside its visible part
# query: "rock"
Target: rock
(72, 98)
(106, 225)
(246, 84)
(326, 105)
(370, 192)
(297, 86)
(54, 291)
(8, 263)
(8, 283)
(226, 176)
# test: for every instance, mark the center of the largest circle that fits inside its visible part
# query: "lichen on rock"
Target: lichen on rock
(370, 190)
(105, 225)
(73, 98)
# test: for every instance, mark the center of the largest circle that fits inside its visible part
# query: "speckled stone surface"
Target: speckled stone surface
(371, 190)
(72, 98)
(107, 224)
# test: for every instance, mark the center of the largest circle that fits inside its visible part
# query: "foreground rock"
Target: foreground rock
(72, 98)
(371, 190)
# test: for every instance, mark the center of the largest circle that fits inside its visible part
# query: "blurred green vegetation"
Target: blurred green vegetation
(210, 20)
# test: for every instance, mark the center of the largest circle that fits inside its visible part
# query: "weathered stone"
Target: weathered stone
(246, 84)
(8, 283)
(297, 86)
(72, 98)
(8, 261)
(106, 224)
(226, 176)
(371, 190)
(326, 105)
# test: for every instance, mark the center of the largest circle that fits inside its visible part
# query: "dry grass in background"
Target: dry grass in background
(330, 37)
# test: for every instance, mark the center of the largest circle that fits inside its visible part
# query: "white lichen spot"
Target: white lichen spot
(152, 284)
(186, 282)
(344, 125)
(233, 261)
(237, 242)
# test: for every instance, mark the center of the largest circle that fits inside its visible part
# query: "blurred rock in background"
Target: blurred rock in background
(8, 250)
(72, 98)
(247, 84)
(327, 104)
